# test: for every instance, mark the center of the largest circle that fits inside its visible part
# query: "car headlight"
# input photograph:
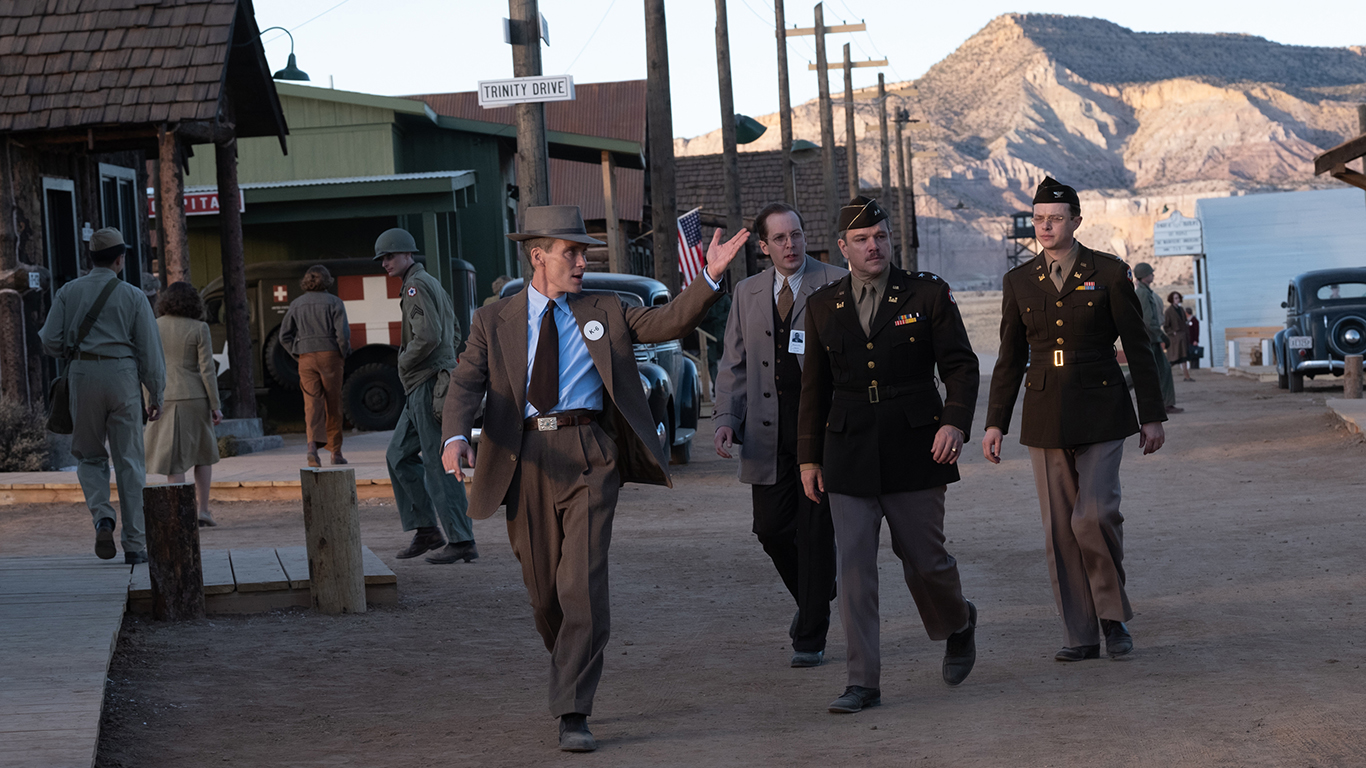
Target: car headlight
(645, 385)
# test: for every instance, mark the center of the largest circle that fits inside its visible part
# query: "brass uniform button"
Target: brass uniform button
(871, 364)
(1060, 303)
(870, 345)
(1089, 304)
(1059, 339)
(1059, 322)
(912, 338)
(1029, 309)
(1105, 383)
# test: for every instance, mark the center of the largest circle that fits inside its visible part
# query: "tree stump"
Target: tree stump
(173, 563)
(336, 571)
(1351, 382)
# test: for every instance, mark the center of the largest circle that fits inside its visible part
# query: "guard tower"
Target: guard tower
(1020, 236)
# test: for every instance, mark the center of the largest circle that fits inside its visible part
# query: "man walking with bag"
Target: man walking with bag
(105, 328)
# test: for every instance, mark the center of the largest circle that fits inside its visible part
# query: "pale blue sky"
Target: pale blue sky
(422, 46)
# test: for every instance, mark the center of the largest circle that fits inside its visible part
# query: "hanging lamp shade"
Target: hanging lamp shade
(291, 70)
(804, 151)
(747, 129)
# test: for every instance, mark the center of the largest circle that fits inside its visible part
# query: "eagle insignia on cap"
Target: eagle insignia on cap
(1057, 193)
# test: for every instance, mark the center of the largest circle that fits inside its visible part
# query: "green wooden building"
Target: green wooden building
(360, 163)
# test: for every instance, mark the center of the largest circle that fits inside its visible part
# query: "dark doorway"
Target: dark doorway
(59, 219)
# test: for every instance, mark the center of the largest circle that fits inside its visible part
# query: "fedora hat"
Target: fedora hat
(561, 222)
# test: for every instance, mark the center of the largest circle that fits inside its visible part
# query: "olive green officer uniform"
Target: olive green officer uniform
(1077, 413)
(118, 358)
(1152, 320)
(869, 413)
(422, 489)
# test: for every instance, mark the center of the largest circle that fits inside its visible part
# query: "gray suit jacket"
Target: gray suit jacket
(741, 380)
(495, 360)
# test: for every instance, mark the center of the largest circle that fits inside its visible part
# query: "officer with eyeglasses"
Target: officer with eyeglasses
(1061, 314)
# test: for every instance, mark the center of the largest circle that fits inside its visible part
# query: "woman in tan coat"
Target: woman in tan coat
(183, 437)
(316, 332)
(1178, 334)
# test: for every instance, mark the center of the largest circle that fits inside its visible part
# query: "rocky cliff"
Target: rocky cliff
(1141, 122)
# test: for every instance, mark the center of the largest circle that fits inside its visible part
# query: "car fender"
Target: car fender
(661, 390)
(686, 401)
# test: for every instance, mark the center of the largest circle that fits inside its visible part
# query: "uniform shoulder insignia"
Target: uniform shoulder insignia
(827, 286)
(932, 277)
(1019, 266)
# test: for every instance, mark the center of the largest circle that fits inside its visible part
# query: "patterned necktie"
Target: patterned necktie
(544, 391)
(785, 300)
(867, 305)
(1057, 274)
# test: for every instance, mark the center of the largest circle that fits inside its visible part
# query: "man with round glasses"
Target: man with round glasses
(758, 385)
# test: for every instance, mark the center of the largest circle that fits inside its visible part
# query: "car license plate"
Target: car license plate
(1300, 342)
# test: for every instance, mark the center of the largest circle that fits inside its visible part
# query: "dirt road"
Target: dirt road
(1244, 558)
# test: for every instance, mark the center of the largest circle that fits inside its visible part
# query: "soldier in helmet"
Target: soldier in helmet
(423, 491)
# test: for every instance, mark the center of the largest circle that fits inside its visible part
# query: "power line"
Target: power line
(324, 13)
(590, 37)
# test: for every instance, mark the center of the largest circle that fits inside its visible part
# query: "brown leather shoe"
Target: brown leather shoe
(425, 540)
(574, 734)
(313, 459)
(338, 458)
(454, 552)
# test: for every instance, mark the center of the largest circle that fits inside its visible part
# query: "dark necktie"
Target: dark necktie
(544, 390)
(784, 299)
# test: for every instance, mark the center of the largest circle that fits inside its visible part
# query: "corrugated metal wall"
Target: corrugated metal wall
(1255, 244)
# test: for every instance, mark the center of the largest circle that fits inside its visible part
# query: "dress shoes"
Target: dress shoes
(960, 653)
(855, 699)
(1118, 641)
(574, 734)
(313, 459)
(792, 628)
(338, 458)
(134, 558)
(425, 540)
(1078, 653)
(462, 550)
(104, 539)
(808, 658)
(1175, 409)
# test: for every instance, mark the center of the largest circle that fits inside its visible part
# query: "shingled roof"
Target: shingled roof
(80, 64)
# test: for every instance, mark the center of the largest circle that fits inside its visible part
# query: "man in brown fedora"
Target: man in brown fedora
(566, 423)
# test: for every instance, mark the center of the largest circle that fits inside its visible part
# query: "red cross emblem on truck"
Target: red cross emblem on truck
(281, 294)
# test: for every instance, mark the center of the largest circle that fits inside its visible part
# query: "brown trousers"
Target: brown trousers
(560, 510)
(1083, 535)
(916, 521)
(320, 378)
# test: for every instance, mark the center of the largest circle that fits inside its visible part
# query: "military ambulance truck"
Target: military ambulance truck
(372, 396)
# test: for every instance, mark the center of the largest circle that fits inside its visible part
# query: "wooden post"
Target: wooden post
(1351, 380)
(832, 203)
(235, 282)
(13, 338)
(173, 563)
(172, 234)
(886, 167)
(533, 164)
(1361, 126)
(784, 106)
(730, 159)
(616, 249)
(912, 253)
(902, 235)
(660, 137)
(336, 572)
(850, 141)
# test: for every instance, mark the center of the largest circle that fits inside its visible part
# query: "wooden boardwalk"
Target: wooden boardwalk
(59, 620)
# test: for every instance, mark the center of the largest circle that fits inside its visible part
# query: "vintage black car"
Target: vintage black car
(1325, 321)
(668, 376)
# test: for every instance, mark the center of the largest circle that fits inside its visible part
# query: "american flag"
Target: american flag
(691, 260)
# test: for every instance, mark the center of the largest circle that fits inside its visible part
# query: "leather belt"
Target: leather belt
(877, 393)
(556, 420)
(91, 357)
(1061, 357)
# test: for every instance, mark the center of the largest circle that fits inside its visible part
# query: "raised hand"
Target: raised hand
(720, 254)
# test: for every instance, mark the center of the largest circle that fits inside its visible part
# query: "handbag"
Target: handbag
(59, 393)
(1197, 352)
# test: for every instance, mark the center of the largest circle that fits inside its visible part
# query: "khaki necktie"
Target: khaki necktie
(543, 392)
(867, 307)
(785, 300)
(1057, 274)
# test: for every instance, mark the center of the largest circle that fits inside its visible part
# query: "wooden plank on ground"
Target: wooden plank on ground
(376, 572)
(257, 570)
(217, 571)
(295, 562)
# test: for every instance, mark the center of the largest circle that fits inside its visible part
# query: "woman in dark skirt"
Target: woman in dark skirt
(183, 437)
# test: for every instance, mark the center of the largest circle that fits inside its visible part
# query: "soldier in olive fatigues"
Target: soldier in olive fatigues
(1061, 314)
(422, 489)
(1152, 320)
(119, 356)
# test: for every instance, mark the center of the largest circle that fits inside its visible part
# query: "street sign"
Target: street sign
(525, 90)
(1177, 235)
(196, 203)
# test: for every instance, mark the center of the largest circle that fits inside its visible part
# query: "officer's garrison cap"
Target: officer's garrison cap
(861, 212)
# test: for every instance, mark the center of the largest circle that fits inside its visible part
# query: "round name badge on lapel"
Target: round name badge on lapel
(593, 330)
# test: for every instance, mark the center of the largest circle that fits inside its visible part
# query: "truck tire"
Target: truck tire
(372, 397)
(282, 367)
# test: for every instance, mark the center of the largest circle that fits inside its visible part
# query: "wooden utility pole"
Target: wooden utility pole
(173, 564)
(172, 234)
(533, 173)
(850, 142)
(730, 159)
(13, 352)
(616, 249)
(784, 105)
(660, 137)
(886, 167)
(336, 572)
(912, 236)
(1361, 126)
(235, 282)
(832, 203)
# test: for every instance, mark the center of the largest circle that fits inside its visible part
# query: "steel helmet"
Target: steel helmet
(396, 240)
